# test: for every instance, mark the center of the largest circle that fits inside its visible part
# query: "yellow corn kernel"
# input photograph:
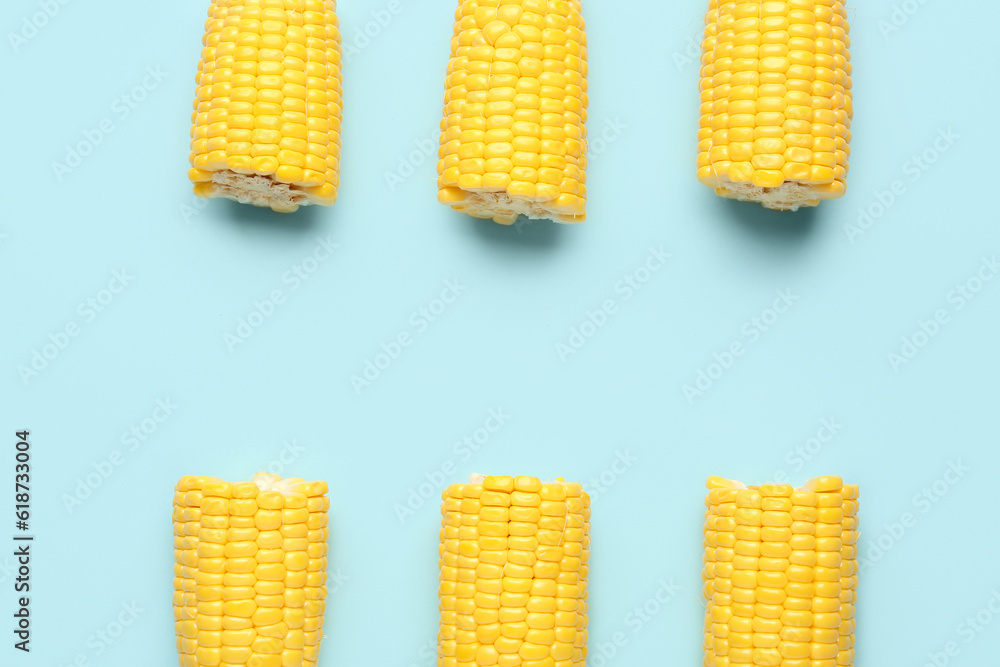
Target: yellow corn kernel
(513, 136)
(776, 102)
(245, 594)
(266, 121)
(514, 600)
(780, 595)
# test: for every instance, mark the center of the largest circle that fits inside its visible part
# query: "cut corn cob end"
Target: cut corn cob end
(784, 196)
(513, 136)
(504, 208)
(776, 102)
(780, 575)
(263, 190)
(514, 566)
(249, 571)
(267, 113)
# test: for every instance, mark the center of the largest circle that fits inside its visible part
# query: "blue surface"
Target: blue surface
(193, 271)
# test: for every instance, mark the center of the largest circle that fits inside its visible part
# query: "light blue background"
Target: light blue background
(128, 206)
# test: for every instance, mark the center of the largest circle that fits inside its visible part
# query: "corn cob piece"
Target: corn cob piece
(513, 586)
(266, 121)
(780, 574)
(250, 571)
(775, 101)
(513, 137)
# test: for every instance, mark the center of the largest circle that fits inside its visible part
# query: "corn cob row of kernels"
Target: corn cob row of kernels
(775, 101)
(266, 124)
(513, 137)
(780, 574)
(775, 114)
(514, 564)
(250, 571)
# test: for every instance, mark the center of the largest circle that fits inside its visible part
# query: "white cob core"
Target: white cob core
(788, 196)
(258, 190)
